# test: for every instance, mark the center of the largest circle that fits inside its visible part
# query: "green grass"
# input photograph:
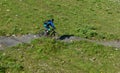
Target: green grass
(50, 56)
(93, 19)
(70, 16)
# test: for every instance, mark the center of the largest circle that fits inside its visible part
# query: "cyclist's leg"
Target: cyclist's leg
(47, 31)
(52, 33)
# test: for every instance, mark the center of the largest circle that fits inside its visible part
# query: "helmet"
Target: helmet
(52, 20)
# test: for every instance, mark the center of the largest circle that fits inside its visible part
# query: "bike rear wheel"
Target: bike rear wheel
(41, 32)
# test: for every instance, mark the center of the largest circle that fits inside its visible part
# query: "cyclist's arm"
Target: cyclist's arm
(52, 25)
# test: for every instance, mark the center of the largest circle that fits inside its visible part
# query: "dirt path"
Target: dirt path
(115, 44)
(13, 40)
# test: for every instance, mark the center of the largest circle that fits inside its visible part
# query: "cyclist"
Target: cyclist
(47, 25)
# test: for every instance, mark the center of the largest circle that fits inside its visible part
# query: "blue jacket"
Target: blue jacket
(48, 24)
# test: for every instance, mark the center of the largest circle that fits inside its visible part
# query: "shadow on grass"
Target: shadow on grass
(65, 37)
(2, 69)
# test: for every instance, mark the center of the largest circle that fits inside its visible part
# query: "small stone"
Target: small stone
(4, 54)
(116, 49)
(0, 45)
(13, 35)
(16, 15)
(8, 10)
(35, 36)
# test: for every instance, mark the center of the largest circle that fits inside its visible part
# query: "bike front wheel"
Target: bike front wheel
(55, 35)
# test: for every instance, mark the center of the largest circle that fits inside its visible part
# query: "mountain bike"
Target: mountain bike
(52, 33)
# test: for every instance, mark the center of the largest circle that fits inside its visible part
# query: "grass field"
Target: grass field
(92, 19)
(50, 56)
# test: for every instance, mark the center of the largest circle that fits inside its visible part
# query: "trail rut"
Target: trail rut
(13, 40)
